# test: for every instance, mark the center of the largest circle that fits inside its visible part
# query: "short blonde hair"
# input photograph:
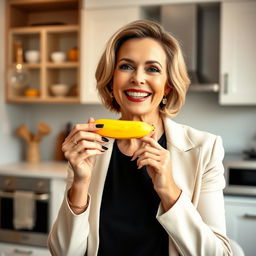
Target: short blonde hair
(177, 75)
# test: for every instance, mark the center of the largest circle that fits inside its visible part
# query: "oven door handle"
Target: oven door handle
(22, 252)
(38, 197)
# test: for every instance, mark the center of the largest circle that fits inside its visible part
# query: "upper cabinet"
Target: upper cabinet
(42, 58)
(97, 27)
(238, 55)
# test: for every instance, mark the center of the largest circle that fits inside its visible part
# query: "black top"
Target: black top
(128, 224)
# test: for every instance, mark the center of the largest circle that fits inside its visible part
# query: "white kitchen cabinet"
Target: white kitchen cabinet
(97, 27)
(241, 222)
(238, 55)
(19, 250)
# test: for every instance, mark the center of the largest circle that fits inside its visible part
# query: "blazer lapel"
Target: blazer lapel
(96, 190)
(184, 155)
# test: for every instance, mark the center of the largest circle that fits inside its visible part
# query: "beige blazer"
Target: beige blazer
(195, 224)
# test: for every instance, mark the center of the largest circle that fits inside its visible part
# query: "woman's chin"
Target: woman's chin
(138, 113)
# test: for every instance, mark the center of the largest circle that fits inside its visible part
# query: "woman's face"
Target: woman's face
(140, 77)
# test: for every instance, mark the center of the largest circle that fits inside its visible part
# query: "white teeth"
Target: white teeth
(137, 94)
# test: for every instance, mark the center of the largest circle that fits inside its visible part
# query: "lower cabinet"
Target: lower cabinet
(241, 222)
(19, 250)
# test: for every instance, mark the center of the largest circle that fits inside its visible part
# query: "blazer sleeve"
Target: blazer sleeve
(201, 229)
(68, 236)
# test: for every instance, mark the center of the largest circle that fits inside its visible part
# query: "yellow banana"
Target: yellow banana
(122, 129)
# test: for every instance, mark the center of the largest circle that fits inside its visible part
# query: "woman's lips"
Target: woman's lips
(137, 95)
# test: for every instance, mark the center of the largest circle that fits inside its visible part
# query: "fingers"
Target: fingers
(87, 145)
(150, 145)
(83, 150)
(149, 162)
(82, 132)
(151, 141)
(145, 151)
(151, 153)
(89, 127)
(75, 157)
(82, 142)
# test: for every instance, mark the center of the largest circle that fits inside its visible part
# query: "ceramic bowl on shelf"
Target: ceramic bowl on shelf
(59, 90)
(58, 56)
(32, 56)
(32, 93)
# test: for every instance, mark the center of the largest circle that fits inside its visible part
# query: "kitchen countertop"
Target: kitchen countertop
(239, 160)
(49, 169)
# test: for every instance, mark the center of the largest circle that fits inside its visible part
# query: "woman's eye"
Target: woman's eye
(126, 67)
(154, 69)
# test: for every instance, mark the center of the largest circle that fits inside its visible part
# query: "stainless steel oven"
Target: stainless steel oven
(240, 175)
(40, 187)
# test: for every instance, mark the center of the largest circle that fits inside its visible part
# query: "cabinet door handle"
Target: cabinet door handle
(225, 78)
(249, 216)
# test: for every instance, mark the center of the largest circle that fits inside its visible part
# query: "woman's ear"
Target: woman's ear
(167, 89)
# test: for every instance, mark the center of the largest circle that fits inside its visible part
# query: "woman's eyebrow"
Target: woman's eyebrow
(154, 62)
(127, 59)
(147, 62)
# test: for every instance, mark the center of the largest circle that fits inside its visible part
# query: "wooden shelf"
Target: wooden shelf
(28, 65)
(48, 26)
(49, 99)
(39, 29)
(62, 65)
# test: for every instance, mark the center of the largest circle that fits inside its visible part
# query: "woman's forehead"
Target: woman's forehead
(142, 48)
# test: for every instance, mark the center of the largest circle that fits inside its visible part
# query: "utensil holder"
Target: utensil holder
(33, 152)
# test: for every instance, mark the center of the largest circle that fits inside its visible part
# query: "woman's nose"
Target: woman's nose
(138, 77)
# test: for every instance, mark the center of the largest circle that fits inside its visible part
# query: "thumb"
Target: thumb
(91, 120)
(154, 136)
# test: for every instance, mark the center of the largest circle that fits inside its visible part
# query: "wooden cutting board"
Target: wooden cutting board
(58, 154)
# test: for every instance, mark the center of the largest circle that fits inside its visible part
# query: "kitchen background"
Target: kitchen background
(235, 124)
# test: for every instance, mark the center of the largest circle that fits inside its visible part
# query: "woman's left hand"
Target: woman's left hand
(158, 162)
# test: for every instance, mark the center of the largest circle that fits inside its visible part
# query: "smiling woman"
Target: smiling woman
(140, 76)
(160, 194)
(174, 65)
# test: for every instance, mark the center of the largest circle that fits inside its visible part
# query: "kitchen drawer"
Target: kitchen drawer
(7, 249)
(241, 222)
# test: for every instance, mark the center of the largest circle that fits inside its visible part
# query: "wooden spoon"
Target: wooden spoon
(24, 133)
(42, 130)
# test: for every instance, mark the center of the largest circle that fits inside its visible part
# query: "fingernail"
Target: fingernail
(99, 125)
(105, 148)
(105, 139)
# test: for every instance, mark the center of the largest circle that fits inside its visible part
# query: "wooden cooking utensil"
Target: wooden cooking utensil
(42, 130)
(32, 154)
(24, 133)
(58, 154)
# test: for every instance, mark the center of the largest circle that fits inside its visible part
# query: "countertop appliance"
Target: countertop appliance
(40, 187)
(240, 175)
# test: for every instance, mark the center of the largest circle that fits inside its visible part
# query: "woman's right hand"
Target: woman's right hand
(81, 147)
